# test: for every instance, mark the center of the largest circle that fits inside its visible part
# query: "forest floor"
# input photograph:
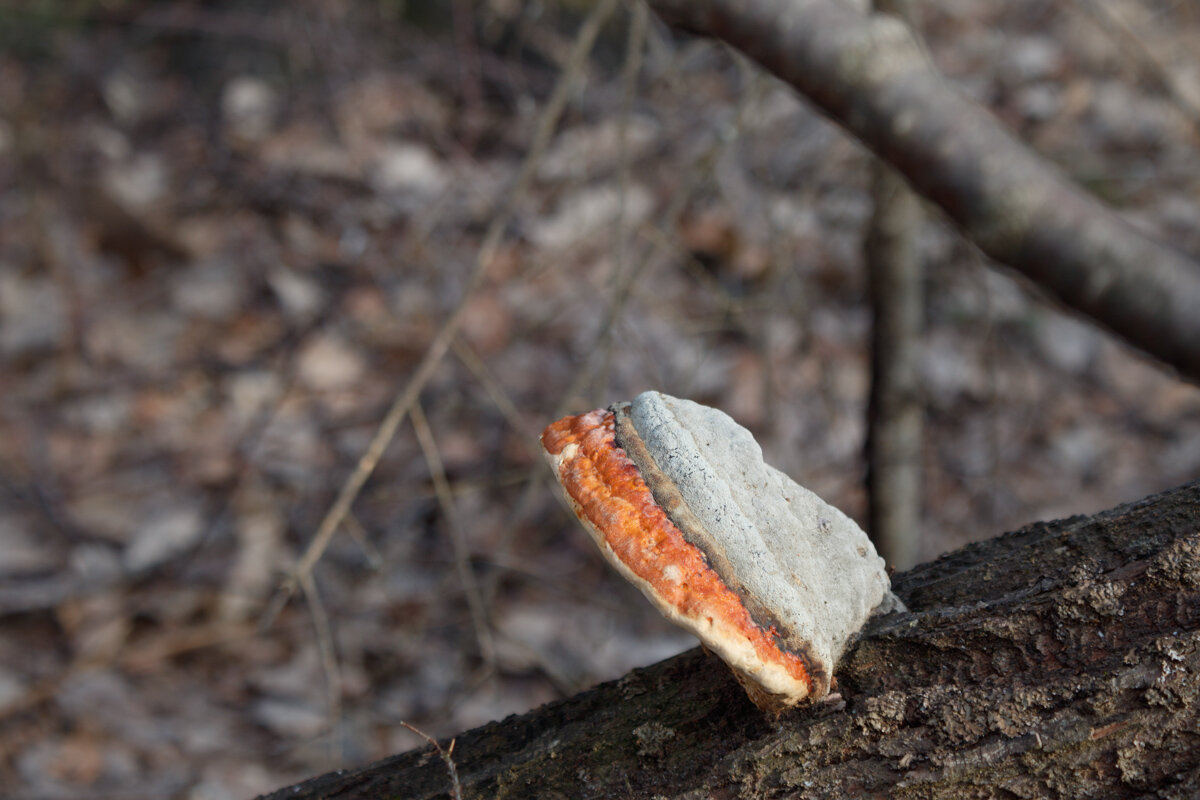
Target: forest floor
(228, 238)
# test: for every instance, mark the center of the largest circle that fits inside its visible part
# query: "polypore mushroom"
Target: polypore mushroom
(770, 577)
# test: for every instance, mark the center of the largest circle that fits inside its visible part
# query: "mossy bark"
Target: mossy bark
(1058, 661)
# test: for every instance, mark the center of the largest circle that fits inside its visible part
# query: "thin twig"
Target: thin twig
(329, 663)
(446, 754)
(445, 335)
(359, 535)
(469, 81)
(499, 396)
(622, 290)
(634, 47)
(1147, 62)
(462, 552)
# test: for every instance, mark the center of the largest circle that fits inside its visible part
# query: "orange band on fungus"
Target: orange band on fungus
(609, 491)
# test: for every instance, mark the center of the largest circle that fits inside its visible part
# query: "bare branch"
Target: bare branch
(447, 755)
(896, 412)
(869, 73)
(445, 335)
(458, 536)
(896, 409)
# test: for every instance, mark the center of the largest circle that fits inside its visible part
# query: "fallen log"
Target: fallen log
(1060, 660)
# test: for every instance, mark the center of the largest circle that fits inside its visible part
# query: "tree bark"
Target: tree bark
(868, 73)
(1058, 661)
(895, 414)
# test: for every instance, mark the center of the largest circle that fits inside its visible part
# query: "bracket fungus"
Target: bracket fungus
(766, 574)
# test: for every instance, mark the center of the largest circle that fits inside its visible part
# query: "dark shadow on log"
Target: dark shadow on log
(1060, 660)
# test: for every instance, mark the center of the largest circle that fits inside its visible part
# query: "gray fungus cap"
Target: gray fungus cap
(770, 577)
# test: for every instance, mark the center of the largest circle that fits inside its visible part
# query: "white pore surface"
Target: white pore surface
(796, 554)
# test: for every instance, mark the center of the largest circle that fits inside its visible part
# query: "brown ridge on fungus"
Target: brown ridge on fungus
(607, 490)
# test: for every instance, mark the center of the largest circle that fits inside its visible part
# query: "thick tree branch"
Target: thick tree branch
(867, 72)
(1061, 660)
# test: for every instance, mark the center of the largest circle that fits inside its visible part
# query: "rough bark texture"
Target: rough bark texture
(868, 73)
(1058, 661)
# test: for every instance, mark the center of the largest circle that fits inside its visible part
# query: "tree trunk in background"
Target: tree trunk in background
(896, 413)
(895, 416)
(1062, 660)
